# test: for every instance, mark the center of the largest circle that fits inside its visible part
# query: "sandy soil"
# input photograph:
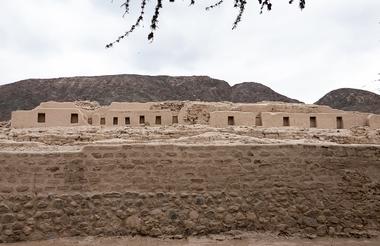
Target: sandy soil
(72, 139)
(253, 240)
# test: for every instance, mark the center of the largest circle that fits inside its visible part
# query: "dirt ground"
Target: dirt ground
(256, 240)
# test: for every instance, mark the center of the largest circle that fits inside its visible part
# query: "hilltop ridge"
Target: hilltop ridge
(350, 99)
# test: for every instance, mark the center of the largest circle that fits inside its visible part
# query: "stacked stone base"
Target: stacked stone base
(183, 214)
(191, 190)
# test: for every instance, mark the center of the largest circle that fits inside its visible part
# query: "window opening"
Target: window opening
(41, 118)
(231, 121)
(74, 118)
(158, 120)
(115, 121)
(313, 122)
(102, 121)
(285, 121)
(339, 122)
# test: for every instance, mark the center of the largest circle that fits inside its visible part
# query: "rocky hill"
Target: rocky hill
(249, 92)
(352, 100)
(27, 94)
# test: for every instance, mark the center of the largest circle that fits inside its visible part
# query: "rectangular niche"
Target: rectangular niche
(74, 118)
(285, 121)
(41, 118)
(339, 122)
(313, 122)
(102, 121)
(158, 120)
(258, 121)
(115, 121)
(231, 120)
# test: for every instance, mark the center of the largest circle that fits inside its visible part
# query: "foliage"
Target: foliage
(239, 4)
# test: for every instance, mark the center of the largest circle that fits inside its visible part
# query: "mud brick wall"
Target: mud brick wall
(309, 190)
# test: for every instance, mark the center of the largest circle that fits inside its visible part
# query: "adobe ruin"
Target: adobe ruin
(74, 169)
(224, 114)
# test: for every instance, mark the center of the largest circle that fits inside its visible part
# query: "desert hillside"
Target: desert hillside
(27, 94)
(352, 100)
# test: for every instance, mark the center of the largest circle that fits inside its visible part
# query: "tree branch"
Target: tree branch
(240, 4)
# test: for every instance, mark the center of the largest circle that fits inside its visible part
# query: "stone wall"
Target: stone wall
(155, 190)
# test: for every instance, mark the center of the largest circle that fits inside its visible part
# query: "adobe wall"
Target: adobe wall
(187, 190)
(220, 118)
(53, 117)
(58, 114)
(324, 121)
(374, 121)
(134, 117)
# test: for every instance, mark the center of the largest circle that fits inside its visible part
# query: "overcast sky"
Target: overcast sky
(302, 54)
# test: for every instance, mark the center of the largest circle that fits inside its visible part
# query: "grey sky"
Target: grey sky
(331, 44)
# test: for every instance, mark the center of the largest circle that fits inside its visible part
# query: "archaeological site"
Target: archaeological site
(265, 114)
(177, 169)
(189, 123)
